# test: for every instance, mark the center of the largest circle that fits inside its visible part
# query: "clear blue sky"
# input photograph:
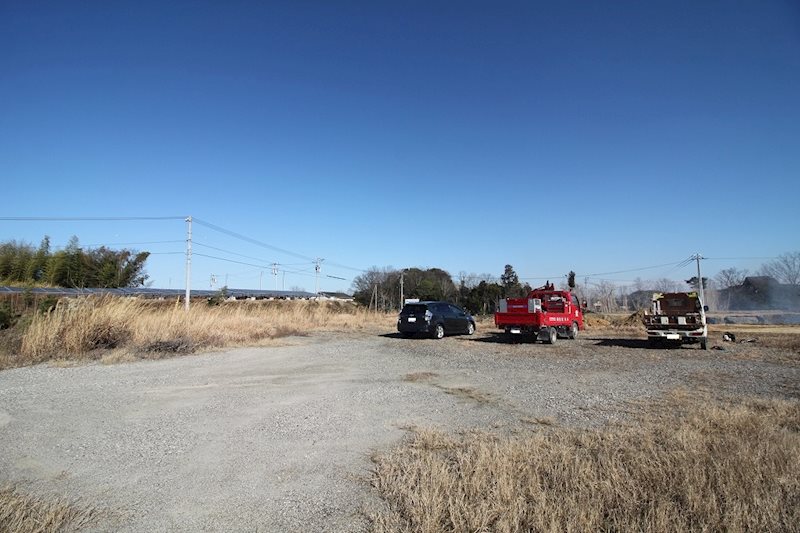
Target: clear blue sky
(592, 136)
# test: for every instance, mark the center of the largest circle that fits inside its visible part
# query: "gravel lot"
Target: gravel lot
(280, 438)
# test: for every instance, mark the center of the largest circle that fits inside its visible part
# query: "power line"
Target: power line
(250, 240)
(636, 269)
(127, 243)
(229, 252)
(301, 273)
(229, 260)
(735, 258)
(686, 262)
(89, 219)
(270, 246)
(337, 265)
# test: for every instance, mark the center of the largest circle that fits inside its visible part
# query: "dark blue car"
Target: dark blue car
(436, 319)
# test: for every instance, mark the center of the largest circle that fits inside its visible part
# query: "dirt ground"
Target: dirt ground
(280, 438)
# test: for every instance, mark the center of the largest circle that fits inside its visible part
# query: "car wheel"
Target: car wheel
(470, 328)
(573, 331)
(438, 333)
(552, 336)
(704, 344)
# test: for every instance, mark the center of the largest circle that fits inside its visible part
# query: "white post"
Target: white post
(402, 296)
(188, 294)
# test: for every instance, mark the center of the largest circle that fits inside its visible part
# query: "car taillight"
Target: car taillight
(428, 315)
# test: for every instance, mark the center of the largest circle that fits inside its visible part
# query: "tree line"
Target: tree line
(21, 263)
(380, 288)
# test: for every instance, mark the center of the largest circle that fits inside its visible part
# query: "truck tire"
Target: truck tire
(438, 332)
(573, 331)
(704, 344)
(552, 335)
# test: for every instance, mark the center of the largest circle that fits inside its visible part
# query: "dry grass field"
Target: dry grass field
(124, 329)
(689, 464)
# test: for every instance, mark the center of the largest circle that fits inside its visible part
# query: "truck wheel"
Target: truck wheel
(552, 336)
(573, 331)
(438, 333)
(704, 344)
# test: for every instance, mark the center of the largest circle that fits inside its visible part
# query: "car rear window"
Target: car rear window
(415, 309)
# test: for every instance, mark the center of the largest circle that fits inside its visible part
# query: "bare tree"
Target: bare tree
(470, 280)
(730, 277)
(785, 268)
(639, 285)
(604, 293)
(488, 278)
(667, 285)
(623, 296)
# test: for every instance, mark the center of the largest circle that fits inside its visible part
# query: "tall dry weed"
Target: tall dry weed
(23, 513)
(716, 467)
(81, 327)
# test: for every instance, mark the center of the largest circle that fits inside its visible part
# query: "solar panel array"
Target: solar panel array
(239, 294)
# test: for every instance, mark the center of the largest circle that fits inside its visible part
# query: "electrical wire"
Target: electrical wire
(229, 252)
(270, 246)
(130, 243)
(228, 260)
(250, 240)
(735, 258)
(301, 273)
(90, 219)
(635, 269)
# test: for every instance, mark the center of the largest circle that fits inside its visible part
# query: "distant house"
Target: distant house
(763, 293)
(340, 296)
(641, 299)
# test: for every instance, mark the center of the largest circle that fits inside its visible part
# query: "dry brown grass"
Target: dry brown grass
(784, 337)
(687, 466)
(90, 328)
(23, 513)
(594, 321)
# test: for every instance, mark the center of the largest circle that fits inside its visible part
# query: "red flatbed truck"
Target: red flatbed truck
(546, 313)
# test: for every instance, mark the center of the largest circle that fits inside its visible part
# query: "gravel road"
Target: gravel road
(280, 438)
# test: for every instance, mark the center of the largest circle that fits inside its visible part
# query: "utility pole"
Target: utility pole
(317, 268)
(697, 258)
(260, 276)
(402, 275)
(188, 294)
(275, 274)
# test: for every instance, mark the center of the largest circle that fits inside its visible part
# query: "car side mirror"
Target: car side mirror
(705, 308)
